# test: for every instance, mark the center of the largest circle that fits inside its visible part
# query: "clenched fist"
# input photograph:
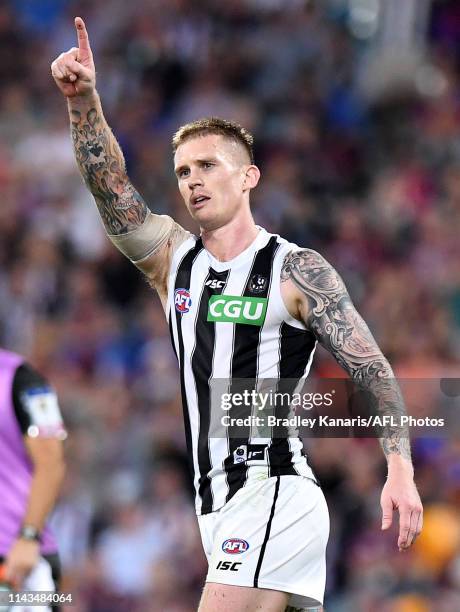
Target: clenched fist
(74, 70)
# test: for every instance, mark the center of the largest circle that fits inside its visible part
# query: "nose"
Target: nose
(194, 180)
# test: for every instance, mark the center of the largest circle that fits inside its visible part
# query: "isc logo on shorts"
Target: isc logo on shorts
(235, 546)
(182, 300)
(229, 565)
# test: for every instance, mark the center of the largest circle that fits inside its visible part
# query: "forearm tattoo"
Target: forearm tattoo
(102, 166)
(342, 331)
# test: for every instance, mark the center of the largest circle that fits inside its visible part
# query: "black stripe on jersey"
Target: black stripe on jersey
(295, 348)
(267, 534)
(183, 275)
(171, 333)
(244, 359)
(202, 360)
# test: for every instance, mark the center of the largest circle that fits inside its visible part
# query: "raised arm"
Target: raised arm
(147, 239)
(315, 294)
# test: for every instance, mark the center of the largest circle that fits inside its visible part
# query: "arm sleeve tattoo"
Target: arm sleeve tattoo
(342, 331)
(102, 166)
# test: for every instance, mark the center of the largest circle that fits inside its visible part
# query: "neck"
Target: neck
(226, 242)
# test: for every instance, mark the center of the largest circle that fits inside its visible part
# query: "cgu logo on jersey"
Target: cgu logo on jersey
(235, 546)
(237, 309)
(182, 300)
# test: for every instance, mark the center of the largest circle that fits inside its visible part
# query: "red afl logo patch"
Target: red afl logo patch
(235, 546)
(182, 300)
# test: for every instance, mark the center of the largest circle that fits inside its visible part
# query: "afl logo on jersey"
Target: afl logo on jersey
(235, 546)
(182, 300)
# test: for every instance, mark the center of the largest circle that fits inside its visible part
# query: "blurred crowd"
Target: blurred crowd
(372, 181)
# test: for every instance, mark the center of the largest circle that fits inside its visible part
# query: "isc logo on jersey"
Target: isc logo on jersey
(182, 300)
(235, 546)
(213, 283)
(237, 309)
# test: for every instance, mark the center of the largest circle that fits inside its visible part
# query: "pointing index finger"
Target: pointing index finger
(82, 35)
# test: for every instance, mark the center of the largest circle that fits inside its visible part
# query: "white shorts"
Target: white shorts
(39, 579)
(272, 534)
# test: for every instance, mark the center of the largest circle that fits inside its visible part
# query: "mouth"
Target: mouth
(198, 200)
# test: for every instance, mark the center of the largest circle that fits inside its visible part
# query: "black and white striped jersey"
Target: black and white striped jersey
(228, 321)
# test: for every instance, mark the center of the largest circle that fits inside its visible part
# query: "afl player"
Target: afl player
(240, 303)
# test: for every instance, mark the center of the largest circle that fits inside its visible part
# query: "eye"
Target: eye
(183, 173)
(207, 165)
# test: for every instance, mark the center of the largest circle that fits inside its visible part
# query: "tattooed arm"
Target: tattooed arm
(148, 240)
(122, 208)
(326, 308)
(102, 166)
(315, 294)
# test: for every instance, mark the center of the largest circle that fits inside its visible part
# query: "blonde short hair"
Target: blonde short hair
(215, 125)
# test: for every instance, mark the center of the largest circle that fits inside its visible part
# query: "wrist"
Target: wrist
(80, 103)
(30, 533)
(397, 464)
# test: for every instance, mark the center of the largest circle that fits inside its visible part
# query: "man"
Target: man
(241, 304)
(31, 473)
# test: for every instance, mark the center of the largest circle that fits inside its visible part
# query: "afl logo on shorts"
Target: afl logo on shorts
(235, 546)
(182, 300)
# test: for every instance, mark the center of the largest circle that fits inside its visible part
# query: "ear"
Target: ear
(251, 177)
